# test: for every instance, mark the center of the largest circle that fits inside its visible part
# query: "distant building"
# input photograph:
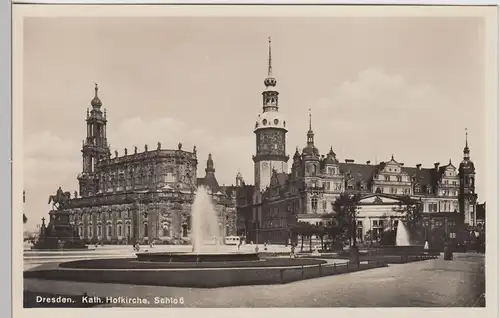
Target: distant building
(141, 195)
(280, 198)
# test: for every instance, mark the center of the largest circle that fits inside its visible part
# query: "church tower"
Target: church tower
(94, 148)
(467, 193)
(270, 132)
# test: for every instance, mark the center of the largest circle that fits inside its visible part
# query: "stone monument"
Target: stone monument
(59, 233)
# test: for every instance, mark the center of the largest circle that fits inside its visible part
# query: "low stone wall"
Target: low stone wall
(207, 278)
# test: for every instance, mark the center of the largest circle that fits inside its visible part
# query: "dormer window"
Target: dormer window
(417, 189)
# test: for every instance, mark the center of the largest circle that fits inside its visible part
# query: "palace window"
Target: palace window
(394, 190)
(314, 204)
(90, 231)
(128, 229)
(99, 230)
(110, 231)
(377, 229)
(359, 231)
(119, 230)
(146, 230)
(324, 205)
(399, 178)
(433, 207)
(387, 178)
(313, 170)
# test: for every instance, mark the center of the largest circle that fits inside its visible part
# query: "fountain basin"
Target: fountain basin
(196, 257)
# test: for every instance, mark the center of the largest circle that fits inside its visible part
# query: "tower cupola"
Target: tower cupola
(96, 102)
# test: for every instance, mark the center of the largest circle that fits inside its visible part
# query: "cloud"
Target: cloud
(375, 89)
(51, 161)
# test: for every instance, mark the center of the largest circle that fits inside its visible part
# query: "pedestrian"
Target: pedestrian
(292, 251)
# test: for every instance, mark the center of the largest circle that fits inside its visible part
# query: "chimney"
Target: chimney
(436, 165)
(368, 162)
(349, 161)
(418, 166)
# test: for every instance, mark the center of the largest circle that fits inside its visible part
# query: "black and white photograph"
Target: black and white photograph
(250, 157)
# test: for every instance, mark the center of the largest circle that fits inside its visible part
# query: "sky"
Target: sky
(407, 86)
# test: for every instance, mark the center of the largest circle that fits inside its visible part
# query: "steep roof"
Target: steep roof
(365, 172)
(359, 172)
(210, 182)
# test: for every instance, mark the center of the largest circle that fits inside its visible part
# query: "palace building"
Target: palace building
(142, 195)
(280, 198)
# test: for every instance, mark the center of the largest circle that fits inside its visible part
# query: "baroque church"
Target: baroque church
(281, 197)
(142, 195)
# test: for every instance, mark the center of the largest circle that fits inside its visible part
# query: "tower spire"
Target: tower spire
(96, 102)
(466, 148)
(270, 65)
(466, 141)
(310, 133)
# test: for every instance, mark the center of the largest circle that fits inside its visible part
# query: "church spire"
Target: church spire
(466, 148)
(270, 81)
(310, 133)
(270, 65)
(96, 102)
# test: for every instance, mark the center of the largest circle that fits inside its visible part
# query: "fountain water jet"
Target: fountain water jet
(204, 231)
(402, 235)
(204, 221)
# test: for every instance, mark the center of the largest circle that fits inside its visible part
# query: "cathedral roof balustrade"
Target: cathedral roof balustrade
(151, 154)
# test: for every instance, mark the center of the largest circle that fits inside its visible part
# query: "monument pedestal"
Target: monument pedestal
(59, 233)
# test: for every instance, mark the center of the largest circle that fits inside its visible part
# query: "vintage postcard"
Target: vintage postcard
(227, 156)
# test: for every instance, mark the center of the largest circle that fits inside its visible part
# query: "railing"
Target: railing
(282, 275)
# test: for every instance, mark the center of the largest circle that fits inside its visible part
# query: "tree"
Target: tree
(320, 231)
(305, 230)
(346, 209)
(412, 213)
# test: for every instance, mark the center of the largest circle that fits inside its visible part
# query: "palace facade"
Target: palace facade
(280, 198)
(141, 196)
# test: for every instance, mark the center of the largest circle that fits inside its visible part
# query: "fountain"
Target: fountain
(402, 235)
(205, 230)
(204, 222)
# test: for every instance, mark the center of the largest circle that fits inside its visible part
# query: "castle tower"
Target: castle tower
(95, 147)
(467, 195)
(210, 179)
(310, 154)
(270, 132)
